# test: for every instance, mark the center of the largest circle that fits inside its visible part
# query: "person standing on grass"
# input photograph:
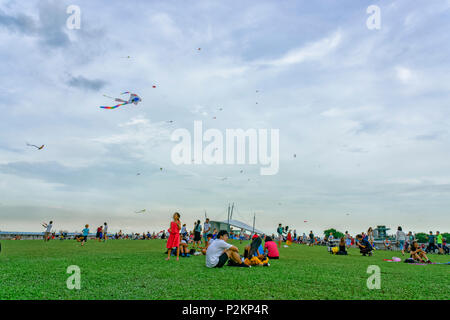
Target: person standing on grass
(105, 232)
(348, 239)
(431, 243)
(174, 236)
(85, 233)
(401, 239)
(241, 235)
(370, 235)
(48, 229)
(311, 239)
(439, 242)
(219, 251)
(289, 238)
(280, 234)
(409, 239)
(206, 230)
(197, 233)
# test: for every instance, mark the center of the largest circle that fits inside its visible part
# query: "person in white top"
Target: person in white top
(219, 251)
(105, 232)
(206, 230)
(401, 238)
(48, 230)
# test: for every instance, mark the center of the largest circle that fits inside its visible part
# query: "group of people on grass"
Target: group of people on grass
(217, 250)
(187, 243)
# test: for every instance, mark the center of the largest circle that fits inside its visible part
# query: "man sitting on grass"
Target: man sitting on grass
(365, 248)
(219, 251)
(387, 244)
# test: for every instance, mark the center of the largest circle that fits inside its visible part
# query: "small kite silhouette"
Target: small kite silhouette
(39, 148)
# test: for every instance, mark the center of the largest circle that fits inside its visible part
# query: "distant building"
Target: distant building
(380, 232)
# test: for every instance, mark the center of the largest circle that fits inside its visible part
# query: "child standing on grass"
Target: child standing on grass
(85, 234)
(174, 237)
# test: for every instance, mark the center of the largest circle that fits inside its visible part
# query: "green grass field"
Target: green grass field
(136, 269)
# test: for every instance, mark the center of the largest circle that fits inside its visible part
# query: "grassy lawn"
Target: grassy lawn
(136, 269)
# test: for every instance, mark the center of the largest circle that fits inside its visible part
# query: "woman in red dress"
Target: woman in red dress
(289, 238)
(174, 237)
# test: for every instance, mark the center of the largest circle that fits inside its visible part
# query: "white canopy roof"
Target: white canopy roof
(241, 225)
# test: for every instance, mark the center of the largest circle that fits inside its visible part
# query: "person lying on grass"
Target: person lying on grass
(365, 248)
(417, 253)
(219, 251)
(271, 249)
(209, 239)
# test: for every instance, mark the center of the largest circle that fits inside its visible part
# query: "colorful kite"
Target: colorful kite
(134, 98)
(32, 145)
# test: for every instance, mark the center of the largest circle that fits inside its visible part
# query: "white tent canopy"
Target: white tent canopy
(240, 225)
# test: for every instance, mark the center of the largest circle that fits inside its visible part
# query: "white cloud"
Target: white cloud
(404, 74)
(312, 51)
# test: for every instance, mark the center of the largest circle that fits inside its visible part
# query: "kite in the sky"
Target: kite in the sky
(295, 156)
(39, 148)
(141, 211)
(134, 98)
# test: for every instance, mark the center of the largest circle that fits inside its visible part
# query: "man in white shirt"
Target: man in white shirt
(48, 230)
(105, 232)
(219, 251)
(206, 230)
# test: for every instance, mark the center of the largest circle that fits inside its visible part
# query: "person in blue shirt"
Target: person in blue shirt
(85, 233)
(365, 248)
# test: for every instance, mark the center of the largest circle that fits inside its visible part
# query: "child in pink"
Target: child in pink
(271, 248)
(174, 237)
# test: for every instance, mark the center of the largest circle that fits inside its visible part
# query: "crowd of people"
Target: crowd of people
(208, 241)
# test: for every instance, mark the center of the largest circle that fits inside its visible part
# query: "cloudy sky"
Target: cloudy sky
(366, 112)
